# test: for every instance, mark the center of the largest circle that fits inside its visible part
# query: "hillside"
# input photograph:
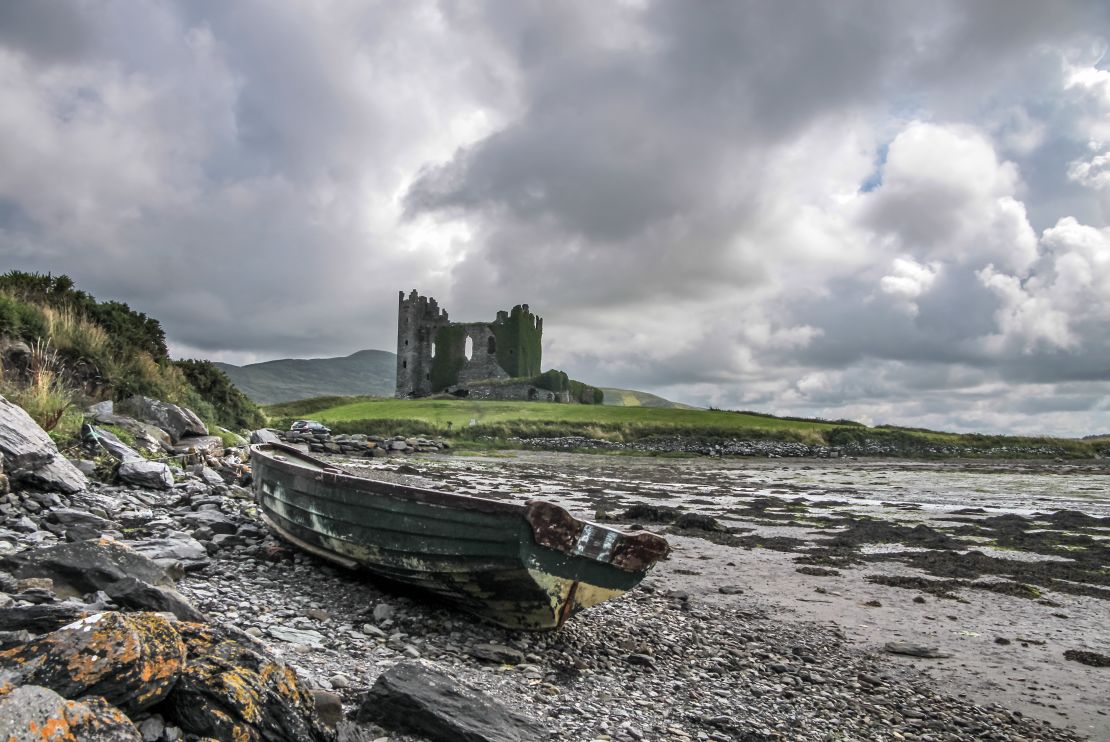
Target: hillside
(367, 372)
(632, 398)
(62, 349)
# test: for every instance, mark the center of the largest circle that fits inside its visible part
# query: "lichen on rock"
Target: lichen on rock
(232, 691)
(131, 660)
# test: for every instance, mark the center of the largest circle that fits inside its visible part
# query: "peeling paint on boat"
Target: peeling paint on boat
(522, 566)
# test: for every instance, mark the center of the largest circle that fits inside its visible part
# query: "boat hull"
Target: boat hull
(522, 566)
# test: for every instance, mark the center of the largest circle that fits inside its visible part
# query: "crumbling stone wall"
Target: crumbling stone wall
(434, 354)
(419, 318)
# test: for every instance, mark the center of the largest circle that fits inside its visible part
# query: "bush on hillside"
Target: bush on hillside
(231, 408)
(107, 349)
(127, 329)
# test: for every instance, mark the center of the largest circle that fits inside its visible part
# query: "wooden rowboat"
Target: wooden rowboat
(520, 565)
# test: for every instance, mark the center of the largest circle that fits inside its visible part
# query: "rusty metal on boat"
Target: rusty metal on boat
(526, 565)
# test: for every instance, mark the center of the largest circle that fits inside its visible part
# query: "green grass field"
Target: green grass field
(459, 413)
(483, 423)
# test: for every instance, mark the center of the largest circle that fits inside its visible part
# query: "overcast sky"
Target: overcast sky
(896, 212)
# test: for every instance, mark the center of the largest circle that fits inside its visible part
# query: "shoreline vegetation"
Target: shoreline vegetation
(612, 429)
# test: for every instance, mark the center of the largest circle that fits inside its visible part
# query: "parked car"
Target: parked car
(309, 426)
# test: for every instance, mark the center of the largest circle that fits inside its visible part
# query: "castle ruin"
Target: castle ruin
(483, 360)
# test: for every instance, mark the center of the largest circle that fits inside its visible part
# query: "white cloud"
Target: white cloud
(909, 280)
(946, 196)
(819, 215)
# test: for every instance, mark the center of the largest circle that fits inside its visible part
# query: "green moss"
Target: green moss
(449, 358)
(519, 346)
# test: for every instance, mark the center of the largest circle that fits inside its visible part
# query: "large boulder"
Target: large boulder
(131, 660)
(110, 442)
(79, 525)
(230, 690)
(416, 697)
(174, 548)
(151, 474)
(40, 619)
(127, 577)
(35, 714)
(30, 457)
(265, 435)
(176, 421)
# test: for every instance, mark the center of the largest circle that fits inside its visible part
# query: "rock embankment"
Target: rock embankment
(785, 449)
(368, 446)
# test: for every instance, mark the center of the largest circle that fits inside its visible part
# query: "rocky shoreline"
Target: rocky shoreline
(230, 633)
(782, 449)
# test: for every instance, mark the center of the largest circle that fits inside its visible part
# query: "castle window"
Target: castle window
(468, 349)
(404, 364)
(492, 345)
(433, 350)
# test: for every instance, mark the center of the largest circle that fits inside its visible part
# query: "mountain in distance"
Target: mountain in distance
(366, 372)
(369, 372)
(630, 398)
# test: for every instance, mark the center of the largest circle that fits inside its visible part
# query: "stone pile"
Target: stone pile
(98, 643)
(367, 446)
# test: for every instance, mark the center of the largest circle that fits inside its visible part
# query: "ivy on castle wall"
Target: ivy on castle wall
(449, 358)
(558, 381)
(519, 345)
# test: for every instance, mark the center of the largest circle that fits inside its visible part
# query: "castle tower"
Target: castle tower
(418, 320)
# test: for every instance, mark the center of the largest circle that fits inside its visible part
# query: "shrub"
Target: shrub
(45, 395)
(230, 407)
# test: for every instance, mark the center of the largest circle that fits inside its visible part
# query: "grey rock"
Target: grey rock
(110, 442)
(265, 435)
(107, 407)
(497, 653)
(126, 576)
(914, 650)
(152, 474)
(213, 520)
(208, 475)
(176, 547)
(383, 612)
(30, 457)
(414, 696)
(202, 444)
(40, 619)
(176, 421)
(349, 731)
(79, 525)
(152, 728)
(306, 637)
(27, 712)
(329, 707)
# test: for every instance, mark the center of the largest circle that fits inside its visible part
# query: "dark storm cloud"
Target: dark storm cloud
(677, 188)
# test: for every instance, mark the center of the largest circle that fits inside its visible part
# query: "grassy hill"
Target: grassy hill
(369, 372)
(632, 398)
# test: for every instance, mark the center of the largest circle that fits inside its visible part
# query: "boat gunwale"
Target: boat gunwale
(329, 474)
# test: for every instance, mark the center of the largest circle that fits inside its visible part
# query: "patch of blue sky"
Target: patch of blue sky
(875, 179)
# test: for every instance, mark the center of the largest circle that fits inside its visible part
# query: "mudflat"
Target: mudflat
(984, 581)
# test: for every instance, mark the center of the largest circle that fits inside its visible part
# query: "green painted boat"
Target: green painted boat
(520, 565)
